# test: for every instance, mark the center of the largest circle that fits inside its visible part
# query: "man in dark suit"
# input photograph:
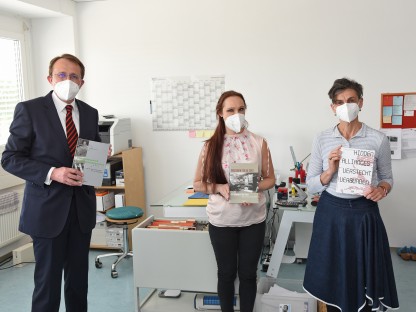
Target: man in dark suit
(58, 212)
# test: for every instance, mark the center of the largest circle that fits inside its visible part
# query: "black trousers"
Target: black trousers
(237, 250)
(67, 252)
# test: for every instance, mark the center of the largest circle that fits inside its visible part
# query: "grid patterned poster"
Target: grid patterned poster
(185, 103)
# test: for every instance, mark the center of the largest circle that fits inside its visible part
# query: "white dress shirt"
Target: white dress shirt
(61, 109)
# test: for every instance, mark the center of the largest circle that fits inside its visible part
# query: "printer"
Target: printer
(117, 132)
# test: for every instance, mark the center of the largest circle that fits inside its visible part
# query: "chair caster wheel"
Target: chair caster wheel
(114, 274)
(98, 264)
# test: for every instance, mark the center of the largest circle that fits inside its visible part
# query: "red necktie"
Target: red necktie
(71, 131)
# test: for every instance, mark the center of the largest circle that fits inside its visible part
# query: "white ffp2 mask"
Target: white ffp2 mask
(235, 122)
(66, 90)
(347, 112)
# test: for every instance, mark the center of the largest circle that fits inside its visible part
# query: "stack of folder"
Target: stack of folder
(197, 199)
(189, 224)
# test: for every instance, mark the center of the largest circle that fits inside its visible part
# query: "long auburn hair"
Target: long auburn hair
(212, 171)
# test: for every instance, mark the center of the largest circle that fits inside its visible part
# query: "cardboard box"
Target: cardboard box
(98, 234)
(120, 200)
(105, 200)
(272, 298)
(114, 236)
(120, 178)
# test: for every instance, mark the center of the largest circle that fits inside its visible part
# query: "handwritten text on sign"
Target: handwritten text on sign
(355, 170)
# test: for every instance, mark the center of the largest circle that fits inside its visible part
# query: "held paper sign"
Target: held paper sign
(244, 183)
(355, 170)
(90, 158)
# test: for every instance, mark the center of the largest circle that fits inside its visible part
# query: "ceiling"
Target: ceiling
(25, 9)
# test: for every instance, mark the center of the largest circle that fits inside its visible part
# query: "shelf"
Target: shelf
(133, 188)
(110, 188)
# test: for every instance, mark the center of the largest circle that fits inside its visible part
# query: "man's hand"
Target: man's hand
(110, 151)
(68, 176)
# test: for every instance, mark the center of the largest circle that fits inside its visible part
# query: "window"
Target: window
(11, 83)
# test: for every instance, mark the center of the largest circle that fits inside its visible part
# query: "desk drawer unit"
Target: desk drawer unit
(173, 259)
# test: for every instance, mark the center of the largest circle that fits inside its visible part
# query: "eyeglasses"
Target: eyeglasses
(64, 76)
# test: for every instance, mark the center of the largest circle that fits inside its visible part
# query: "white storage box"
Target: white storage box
(119, 198)
(105, 200)
(273, 298)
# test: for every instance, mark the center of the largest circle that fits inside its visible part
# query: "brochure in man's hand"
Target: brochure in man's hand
(244, 183)
(90, 158)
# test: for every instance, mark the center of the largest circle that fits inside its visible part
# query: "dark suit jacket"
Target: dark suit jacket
(37, 142)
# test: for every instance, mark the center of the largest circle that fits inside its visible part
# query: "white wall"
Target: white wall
(282, 55)
(50, 37)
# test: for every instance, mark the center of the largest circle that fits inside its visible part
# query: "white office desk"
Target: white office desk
(290, 216)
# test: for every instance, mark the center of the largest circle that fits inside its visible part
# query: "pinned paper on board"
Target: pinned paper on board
(387, 119)
(398, 100)
(387, 111)
(410, 102)
(398, 110)
(396, 120)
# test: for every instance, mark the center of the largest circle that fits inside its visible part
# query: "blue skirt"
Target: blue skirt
(349, 262)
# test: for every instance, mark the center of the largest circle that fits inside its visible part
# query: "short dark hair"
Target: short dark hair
(70, 58)
(344, 84)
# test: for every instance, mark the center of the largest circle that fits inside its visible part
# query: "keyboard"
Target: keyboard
(289, 204)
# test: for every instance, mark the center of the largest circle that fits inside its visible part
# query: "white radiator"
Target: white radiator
(9, 221)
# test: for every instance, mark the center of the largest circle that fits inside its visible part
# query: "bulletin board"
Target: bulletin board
(398, 110)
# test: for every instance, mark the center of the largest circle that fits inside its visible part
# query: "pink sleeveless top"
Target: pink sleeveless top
(244, 147)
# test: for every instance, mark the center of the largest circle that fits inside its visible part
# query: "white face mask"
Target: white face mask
(347, 112)
(66, 90)
(236, 122)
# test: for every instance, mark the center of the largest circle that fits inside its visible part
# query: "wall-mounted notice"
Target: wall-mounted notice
(355, 170)
(395, 139)
(398, 110)
(409, 143)
(185, 103)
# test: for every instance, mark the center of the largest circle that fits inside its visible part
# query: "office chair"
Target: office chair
(121, 216)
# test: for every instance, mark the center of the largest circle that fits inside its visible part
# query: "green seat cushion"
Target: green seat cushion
(126, 212)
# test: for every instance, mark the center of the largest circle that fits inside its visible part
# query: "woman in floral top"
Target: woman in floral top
(236, 230)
